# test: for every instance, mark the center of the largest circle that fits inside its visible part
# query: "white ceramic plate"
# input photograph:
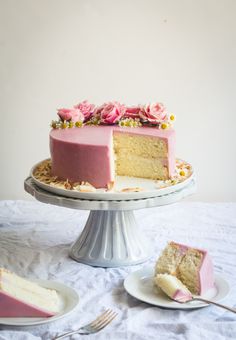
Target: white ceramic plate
(140, 285)
(150, 188)
(69, 299)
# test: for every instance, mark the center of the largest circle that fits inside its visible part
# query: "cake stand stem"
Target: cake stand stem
(110, 239)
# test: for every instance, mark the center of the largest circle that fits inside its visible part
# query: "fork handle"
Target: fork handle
(65, 335)
(231, 309)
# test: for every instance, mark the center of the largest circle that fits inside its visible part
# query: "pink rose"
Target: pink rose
(132, 112)
(98, 110)
(153, 113)
(111, 112)
(86, 108)
(70, 114)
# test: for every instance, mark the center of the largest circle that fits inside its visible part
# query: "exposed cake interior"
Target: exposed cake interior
(189, 268)
(27, 292)
(193, 267)
(170, 259)
(140, 156)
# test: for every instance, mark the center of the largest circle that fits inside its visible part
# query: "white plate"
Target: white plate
(69, 299)
(140, 285)
(151, 188)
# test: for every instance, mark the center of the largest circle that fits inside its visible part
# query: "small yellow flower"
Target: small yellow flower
(64, 125)
(182, 173)
(172, 117)
(54, 124)
(78, 124)
(164, 126)
(71, 124)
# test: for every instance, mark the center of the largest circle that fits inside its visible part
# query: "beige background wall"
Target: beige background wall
(55, 53)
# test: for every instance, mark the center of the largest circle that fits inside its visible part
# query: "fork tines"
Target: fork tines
(104, 319)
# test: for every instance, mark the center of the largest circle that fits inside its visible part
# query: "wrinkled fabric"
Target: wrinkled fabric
(35, 239)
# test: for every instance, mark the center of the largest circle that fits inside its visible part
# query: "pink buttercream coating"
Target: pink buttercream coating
(181, 295)
(86, 154)
(12, 307)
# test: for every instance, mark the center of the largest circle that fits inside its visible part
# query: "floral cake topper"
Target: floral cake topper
(114, 113)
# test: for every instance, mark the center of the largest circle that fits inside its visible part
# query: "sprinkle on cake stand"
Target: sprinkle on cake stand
(111, 236)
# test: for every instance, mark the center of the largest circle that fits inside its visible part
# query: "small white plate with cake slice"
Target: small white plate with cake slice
(68, 300)
(140, 284)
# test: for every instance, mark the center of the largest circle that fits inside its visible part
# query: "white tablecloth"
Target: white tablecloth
(34, 242)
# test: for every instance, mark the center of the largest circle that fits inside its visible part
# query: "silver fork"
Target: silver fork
(93, 327)
(198, 298)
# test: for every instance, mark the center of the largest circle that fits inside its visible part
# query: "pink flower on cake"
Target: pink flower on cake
(111, 112)
(132, 112)
(86, 108)
(74, 115)
(153, 113)
(98, 110)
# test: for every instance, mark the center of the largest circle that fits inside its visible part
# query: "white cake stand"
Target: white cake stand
(111, 236)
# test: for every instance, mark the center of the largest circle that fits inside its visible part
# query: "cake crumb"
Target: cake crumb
(136, 189)
(110, 186)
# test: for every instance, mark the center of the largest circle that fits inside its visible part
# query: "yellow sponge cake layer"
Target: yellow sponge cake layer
(146, 146)
(140, 156)
(189, 267)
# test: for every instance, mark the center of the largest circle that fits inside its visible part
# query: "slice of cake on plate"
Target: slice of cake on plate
(192, 266)
(22, 298)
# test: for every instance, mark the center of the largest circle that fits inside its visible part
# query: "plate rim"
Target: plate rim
(111, 196)
(199, 304)
(6, 321)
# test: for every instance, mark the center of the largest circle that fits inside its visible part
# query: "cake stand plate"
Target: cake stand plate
(111, 236)
(125, 188)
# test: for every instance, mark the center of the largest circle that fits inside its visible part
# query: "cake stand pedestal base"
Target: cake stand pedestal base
(110, 239)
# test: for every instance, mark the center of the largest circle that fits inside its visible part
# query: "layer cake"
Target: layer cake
(96, 149)
(192, 266)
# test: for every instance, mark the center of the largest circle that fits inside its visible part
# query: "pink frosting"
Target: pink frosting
(12, 307)
(206, 274)
(181, 296)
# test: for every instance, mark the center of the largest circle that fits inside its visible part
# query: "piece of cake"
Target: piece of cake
(22, 298)
(112, 140)
(192, 266)
(173, 287)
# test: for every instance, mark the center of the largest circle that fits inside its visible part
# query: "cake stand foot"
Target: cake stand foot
(110, 239)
